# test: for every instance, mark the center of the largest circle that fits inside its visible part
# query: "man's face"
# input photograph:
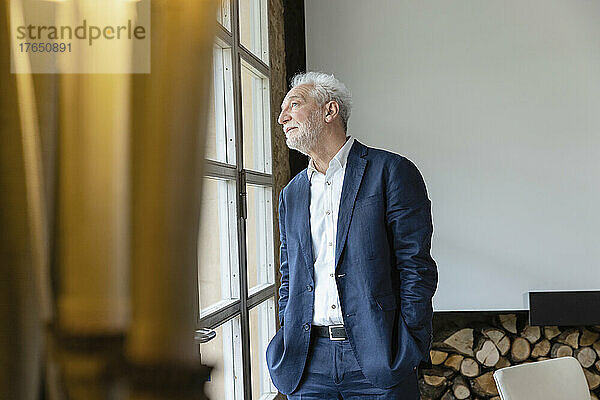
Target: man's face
(302, 119)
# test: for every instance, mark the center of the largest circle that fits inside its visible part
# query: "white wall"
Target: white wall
(498, 104)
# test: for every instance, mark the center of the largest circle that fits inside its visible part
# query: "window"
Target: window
(255, 119)
(252, 27)
(236, 271)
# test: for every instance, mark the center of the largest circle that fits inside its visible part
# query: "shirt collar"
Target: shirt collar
(341, 157)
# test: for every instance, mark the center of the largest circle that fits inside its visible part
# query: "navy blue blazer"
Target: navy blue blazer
(384, 271)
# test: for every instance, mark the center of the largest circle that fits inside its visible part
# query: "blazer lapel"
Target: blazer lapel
(302, 204)
(355, 168)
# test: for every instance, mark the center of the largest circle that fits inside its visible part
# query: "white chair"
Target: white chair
(555, 379)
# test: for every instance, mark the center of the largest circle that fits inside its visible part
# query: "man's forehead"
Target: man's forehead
(298, 92)
(294, 96)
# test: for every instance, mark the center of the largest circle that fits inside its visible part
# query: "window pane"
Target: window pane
(224, 355)
(217, 245)
(259, 236)
(253, 27)
(255, 116)
(220, 142)
(223, 14)
(262, 329)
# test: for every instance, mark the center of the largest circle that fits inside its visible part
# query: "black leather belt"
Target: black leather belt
(333, 332)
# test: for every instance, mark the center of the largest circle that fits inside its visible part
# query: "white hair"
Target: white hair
(326, 88)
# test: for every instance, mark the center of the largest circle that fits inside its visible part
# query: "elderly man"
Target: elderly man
(357, 276)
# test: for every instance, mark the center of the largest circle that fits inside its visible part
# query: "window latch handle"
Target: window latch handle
(204, 335)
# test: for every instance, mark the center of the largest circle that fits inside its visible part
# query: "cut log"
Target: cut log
(504, 345)
(499, 338)
(560, 350)
(495, 398)
(487, 353)
(586, 356)
(461, 341)
(430, 391)
(438, 371)
(434, 380)
(593, 379)
(509, 322)
(494, 334)
(551, 332)
(593, 396)
(460, 388)
(596, 347)
(588, 338)
(469, 368)
(502, 363)
(448, 396)
(453, 361)
(532, 333)
(520, 349)
(541, 348)
(598, 366)
(438, 357)
(484, 385)
(569, 337)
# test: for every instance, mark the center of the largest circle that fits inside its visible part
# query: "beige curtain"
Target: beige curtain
(127, 184)
(25, 304)
(170, 109)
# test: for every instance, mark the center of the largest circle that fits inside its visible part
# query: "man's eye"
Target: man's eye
(294, 105)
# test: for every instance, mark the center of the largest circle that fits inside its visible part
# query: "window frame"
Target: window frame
(233, 170)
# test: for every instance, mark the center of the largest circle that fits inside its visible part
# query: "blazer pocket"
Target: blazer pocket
(415, 315)
(387, 302)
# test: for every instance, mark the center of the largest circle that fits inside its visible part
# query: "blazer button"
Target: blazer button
(306, 327)
(309, 288)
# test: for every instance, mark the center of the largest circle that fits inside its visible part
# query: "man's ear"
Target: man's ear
(332, 110)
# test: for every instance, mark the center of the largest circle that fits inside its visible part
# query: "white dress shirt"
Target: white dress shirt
(325, 193)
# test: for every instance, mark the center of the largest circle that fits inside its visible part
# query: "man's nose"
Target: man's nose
(283, 117)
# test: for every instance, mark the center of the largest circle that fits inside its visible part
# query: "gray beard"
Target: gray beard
(308, 134)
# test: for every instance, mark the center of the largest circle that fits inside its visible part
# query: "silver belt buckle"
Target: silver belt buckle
(330, 327)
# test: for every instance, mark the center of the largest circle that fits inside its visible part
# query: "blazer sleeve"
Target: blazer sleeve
(409, 223)
(283, 261)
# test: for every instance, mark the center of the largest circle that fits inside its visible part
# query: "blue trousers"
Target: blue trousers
(332, 372)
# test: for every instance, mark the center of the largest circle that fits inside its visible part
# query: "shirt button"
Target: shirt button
(306, 327)
(331, 275)
(309, 288)
(333, 306)
(328, 182)
(327, 212)
(330, 244)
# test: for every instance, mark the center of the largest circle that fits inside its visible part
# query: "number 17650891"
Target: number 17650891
(46, 47)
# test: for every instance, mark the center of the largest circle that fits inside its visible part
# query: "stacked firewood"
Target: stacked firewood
(464, 359)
